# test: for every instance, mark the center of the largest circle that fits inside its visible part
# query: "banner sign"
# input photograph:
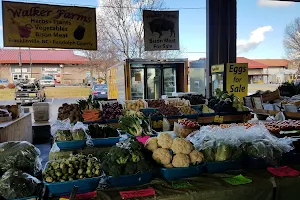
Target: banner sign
(217, 68)
(48, 26)
(237, 79)
(161, 30)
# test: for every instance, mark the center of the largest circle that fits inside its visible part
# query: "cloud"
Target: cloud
(1, 28)
(274, 3)
(257, 36)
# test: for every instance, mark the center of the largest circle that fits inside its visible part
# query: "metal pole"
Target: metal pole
(20, 61)
(30, 62)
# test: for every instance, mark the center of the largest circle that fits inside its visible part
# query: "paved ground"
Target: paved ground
(252, 88)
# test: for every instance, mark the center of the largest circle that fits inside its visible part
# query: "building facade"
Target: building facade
(277, 70)
(63, 65)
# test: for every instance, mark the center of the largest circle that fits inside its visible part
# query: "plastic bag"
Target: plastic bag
(60, 125)
(255, 141)
(182, 131)
(166, 125)
(20, 155)
(79, 131)
(279, 116)
(15, 184)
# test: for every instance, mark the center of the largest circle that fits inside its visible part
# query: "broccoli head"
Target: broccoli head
(137, 156)
(115, 170)
(143, 166)
(117, 153)
(130, 168)
(106, 163)
(122, 160)
(135, 145)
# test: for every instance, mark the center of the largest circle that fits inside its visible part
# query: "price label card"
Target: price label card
(237, 180)
(218, 119)
(221, 119)
(137, 193)
(143, 139)
(283, 171)
(177, 185)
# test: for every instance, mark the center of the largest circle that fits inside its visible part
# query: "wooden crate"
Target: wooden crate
(292, 115)
(115, 125)
(205, 120)
(270, 96)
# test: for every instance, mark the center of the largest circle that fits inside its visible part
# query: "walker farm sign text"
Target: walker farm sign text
(48, 26)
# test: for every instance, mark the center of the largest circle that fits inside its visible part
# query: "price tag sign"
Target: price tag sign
(218, 119)
(283, 171)
(237, 180)
(177, 185)
(137, 193)
(143, 139)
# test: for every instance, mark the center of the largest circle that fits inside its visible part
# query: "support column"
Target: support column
(221, 24)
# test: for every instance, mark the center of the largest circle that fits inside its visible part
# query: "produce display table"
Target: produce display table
(19, 129)
(204, 187)
(288, 187)
(211, 186)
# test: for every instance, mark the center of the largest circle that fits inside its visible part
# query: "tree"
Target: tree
(101, 59)
(121, 23)
(291, 40)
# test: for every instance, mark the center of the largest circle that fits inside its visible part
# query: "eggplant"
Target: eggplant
(79, 32)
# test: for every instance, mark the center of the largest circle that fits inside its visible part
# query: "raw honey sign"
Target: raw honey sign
(161, 30)
(237, 79)
(48, 26)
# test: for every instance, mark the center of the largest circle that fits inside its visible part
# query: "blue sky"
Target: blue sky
(260, 29)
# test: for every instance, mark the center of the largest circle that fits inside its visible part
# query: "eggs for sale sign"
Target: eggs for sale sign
(237, 79)
(48, 26)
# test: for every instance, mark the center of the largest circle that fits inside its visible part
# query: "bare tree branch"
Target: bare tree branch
(122, 25)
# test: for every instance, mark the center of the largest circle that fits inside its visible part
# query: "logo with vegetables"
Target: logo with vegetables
(79, 32)
(24, 30)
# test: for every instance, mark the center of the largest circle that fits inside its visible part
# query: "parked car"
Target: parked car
(296, 81)
(4, 82)
(47, 82)
(99, 91)
(29, 91)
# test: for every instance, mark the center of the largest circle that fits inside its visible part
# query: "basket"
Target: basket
(222, 166)
(181, 131)
(65, 188)
(71, 145)
(130, 180)
(98, 142)
(181, 172)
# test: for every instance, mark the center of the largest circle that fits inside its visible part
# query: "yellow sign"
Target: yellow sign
(219, 119)
(48, 26)
(237, 79)
(217, 68)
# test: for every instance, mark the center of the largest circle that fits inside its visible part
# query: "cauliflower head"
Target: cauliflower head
(181, 160)
(164, 140)
(181, 145)
(196, 157)
(151, 144)
(168, 165)
(162, 156)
